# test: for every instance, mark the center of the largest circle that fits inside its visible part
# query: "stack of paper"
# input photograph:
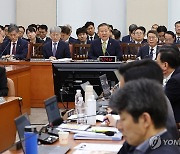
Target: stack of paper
(97, 136)
(91, 148)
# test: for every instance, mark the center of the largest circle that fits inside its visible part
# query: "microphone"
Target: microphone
(107, 53)
(4, 50)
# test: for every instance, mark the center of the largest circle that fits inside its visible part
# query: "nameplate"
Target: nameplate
(107, 58)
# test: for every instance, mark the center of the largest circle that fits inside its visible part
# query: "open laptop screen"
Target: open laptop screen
(52, 111)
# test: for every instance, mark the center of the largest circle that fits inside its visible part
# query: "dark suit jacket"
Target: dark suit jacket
(95, 37)
(46, 41)
(162, 149)
(3, 82)
(126, 39)
(21, 48)
(79, 42)
(72, 40)
(62, 50)
(113, 49)
(144, 52)
(37, 40)
(172, 90)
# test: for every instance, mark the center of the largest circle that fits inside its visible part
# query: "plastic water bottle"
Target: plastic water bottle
(78, 94)
(91, 110)
(81, 111)
(30, 137)
(88, 92)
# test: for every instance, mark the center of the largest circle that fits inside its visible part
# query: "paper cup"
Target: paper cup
(63, 137)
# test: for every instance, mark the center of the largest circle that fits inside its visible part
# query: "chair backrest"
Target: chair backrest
(11, 87)
(130, 50)
(80, 51)
(35, 50)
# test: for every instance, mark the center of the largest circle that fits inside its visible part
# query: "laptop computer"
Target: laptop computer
(23, 121)
(53, 114)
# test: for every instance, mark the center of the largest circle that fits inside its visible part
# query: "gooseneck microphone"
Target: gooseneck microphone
(4, 49)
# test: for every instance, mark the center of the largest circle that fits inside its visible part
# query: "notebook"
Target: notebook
(23, 121)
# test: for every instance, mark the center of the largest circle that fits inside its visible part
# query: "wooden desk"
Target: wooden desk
(20, 74)
(41, 80)
(8, 112)
(72, 143)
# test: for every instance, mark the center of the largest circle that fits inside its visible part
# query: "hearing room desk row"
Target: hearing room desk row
(73, 143)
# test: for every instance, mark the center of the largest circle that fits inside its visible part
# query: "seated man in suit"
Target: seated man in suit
(141, 126)
(91, 31)
(130, 38)
(116, 34)
(31, 34)
(21, 32)
(14, 47)
(161, 34)
(170, 37)
(139, 34)
(56, 48)
(104, 46)
(82, 36)
(3, 82)
(177, 29)
(151, 49)
(66, 35)
(43, 30)
(169, 60)
(151, 70)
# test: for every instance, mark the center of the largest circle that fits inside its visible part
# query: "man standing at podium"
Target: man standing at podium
(104, 46)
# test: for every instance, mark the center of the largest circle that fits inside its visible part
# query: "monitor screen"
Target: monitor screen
(52, 111)
(68, 77)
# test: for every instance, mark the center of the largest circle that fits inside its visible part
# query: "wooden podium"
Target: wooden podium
(8, 112)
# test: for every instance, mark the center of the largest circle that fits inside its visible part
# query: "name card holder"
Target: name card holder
(107, 58)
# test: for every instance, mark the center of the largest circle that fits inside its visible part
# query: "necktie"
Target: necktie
(151, 53)
(178, 40)
(14, 49)
(54, 49)
(104, 47)
(91, 38)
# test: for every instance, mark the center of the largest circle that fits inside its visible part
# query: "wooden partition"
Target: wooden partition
(8, 112)
(41, 80)
(20, 74)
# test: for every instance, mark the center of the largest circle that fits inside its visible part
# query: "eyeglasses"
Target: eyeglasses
(152, 37)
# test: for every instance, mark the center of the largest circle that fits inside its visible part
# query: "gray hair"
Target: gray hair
(55, 29)
(13, 27)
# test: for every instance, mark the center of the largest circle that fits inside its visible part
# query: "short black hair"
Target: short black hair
(13, 27)
(140, 96)
(177, 22)
(65, 29)
(2, 27)
(170, 53)
(43, 27)
(21, 27)
(161, 29)
(33, 25)
(141, 28)
(171, 33)
(116, 33)
(81, 30)
(88, 23)
(145, 68)
(30, 29)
